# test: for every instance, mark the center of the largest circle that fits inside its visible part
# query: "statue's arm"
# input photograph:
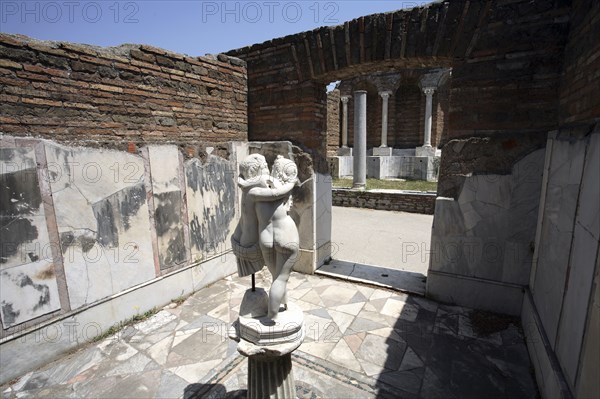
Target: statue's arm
(250, 183)
(271, 194)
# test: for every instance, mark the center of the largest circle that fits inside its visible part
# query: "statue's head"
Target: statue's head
(253, 166)
(285, 170)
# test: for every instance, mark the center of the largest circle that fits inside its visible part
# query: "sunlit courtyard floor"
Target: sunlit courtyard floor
(360, 342)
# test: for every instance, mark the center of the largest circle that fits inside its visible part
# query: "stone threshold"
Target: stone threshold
(397, 280)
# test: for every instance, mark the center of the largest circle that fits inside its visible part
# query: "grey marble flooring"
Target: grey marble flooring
(361, 342)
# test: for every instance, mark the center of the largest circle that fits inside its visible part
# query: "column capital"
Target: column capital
(385, 94)
(429, 90)
(345, 99)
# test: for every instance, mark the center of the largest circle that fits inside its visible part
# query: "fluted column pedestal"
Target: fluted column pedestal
(271, 378)
(268, 345)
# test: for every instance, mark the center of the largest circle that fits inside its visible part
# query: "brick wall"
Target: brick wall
(334, 109)
(506, 60)
(385, 200)
(409, 107)
(509, 82)
(581, 77)
(441, 104)
(112, 96)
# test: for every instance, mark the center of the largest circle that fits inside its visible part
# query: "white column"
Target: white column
(384, 116)
(360, 139)
(428, 105)
(345, 121)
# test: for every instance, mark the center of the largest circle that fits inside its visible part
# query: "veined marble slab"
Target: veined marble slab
(168, 207)
(211, 190)
(103, 220)
(27, 291)
(23, 232)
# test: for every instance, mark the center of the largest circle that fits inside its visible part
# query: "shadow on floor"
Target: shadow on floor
(411, 282)
(451, 352)
(212, 391)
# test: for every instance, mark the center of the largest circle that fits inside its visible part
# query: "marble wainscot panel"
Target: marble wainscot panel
(211, 190)
(560, 208)
(487, 235)
(102, 217)
(28, 287)
(168, 205)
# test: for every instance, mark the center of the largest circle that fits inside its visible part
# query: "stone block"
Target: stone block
(323, 218)
(475, 293)
(425, 151)
(382, 151)
(306, 262)
(346, 166)
(374, 167)
(344, 152)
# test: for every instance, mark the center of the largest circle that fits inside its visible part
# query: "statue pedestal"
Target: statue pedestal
(268, 345)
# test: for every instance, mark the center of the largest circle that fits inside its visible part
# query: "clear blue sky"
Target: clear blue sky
(194, 27)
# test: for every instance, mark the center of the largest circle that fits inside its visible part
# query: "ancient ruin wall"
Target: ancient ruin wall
(334, 109)
(113, 96)
(506, 59)
(580, 80)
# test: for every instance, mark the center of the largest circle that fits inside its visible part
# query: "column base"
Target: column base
(344, 151)
(425, 151)
(382, 151)
(359, 186)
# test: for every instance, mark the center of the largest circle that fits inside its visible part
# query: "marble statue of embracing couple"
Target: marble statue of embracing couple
(266, 234)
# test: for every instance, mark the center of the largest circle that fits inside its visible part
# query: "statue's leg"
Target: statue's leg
(270, 258)
(286, 257)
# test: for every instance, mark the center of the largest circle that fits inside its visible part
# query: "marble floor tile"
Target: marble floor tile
(342, 355)
(361, 342)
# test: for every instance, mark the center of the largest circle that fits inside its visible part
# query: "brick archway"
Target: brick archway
(486, 43)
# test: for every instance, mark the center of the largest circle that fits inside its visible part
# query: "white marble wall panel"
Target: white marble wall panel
(487, 233)
(211, 190)
(588, 383)
(168, 206)
(564, 177)
(28, 285)
(23, 232)
(582, 263)
(27, 291)
(102, 217)
(323, 225)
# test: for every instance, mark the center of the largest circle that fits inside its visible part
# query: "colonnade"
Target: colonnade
(360, 128)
